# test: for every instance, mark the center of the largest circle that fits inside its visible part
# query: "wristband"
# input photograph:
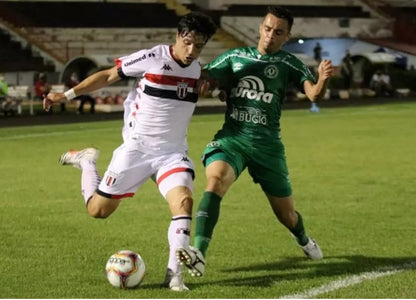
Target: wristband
(70, 94)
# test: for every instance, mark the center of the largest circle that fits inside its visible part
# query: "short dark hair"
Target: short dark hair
(281, 13)
(198, 22)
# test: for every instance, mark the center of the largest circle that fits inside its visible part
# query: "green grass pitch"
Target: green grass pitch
(353, 172)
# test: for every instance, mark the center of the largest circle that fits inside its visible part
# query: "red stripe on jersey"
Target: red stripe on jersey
(122, 196)
(170, 80)
(170, 172)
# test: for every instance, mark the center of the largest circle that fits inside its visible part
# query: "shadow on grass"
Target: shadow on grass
(292, 269)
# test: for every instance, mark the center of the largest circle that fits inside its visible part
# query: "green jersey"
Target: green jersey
(256, 86)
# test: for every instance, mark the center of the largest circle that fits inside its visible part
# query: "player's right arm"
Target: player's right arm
(206, 84)
(315, 91)
(92, 83)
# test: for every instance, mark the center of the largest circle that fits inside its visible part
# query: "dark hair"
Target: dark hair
(199, 23)
(281, 13)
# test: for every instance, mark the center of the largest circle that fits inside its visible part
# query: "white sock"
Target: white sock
(179, 236)
(89, 179)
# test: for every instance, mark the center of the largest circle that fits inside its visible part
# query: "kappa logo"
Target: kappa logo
(184, 158)
(166, 67)
(252, 88)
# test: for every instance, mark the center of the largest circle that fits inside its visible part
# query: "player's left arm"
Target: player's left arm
(315, 91)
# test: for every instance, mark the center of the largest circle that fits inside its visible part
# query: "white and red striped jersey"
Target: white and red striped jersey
(162, 101)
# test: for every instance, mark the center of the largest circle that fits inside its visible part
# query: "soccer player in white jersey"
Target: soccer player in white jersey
(159, 108)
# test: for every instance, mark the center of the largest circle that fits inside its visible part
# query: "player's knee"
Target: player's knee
(185, 203)
(215, 180)
(98, 213)
(181, 205)
(218, 184)
(101, 207)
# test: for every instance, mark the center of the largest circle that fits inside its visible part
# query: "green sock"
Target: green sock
(299, 231)
(206, 219)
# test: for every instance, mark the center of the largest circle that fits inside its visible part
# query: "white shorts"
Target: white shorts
(130, 168)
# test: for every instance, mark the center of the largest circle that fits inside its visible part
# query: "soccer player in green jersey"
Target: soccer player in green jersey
(255, 79)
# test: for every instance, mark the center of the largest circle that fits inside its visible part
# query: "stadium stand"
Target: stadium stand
(301, 11)
(104, 33)
(88, 14)
(15, 57)
(70, 42)
(403, 13)
(64, 38)
(112, 28)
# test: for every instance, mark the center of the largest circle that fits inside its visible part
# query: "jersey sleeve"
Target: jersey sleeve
(301, 73)
(135, 64)
(220, 68)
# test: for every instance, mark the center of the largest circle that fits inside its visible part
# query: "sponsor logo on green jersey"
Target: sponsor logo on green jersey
(249, 114)
(252, 88)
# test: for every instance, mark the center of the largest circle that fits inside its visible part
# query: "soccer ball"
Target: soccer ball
(125, 269)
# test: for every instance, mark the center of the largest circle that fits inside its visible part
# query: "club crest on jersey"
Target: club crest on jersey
(271, 71)
(182, 90)
(110, 179)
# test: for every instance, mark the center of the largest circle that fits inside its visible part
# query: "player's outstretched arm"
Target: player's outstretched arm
(92, 83)
(316, 91)
(205, 84)
(209, 87)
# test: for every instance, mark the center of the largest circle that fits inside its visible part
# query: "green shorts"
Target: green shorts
(266, 166)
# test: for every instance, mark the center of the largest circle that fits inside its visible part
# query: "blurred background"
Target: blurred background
(48, 42)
